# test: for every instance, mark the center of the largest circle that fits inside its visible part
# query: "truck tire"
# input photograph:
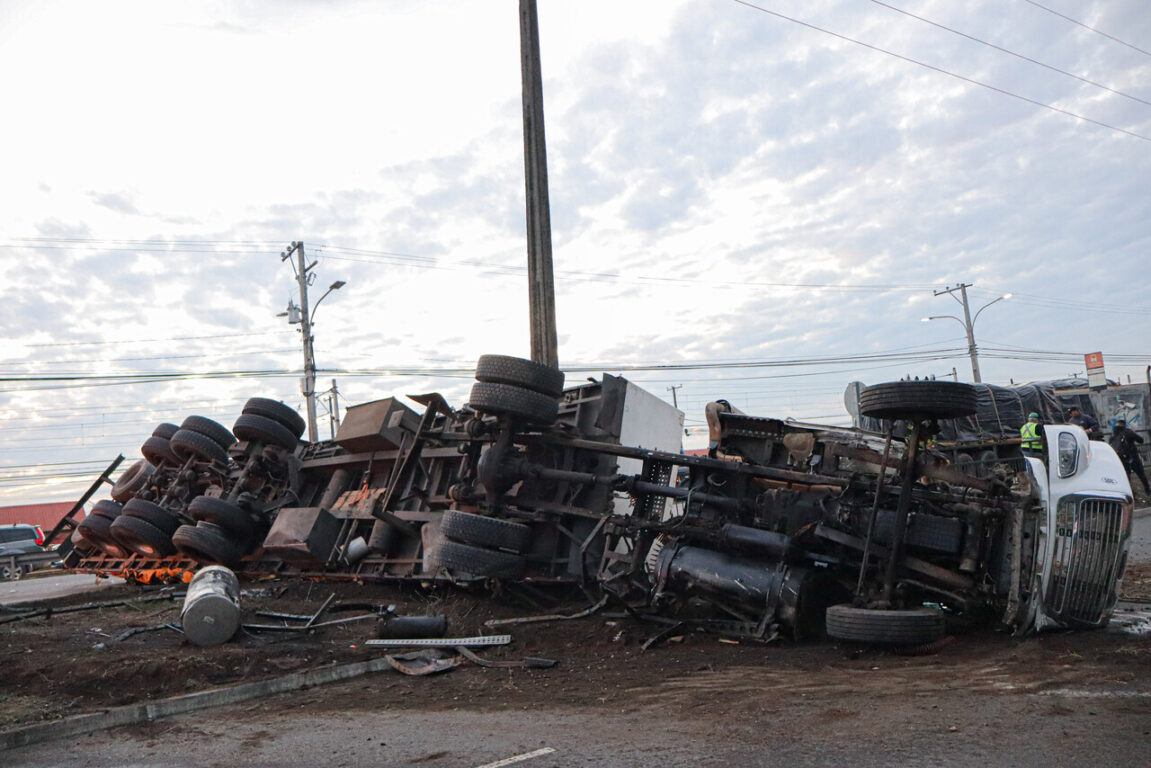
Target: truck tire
(107, 509)
(153, 514)
(10, 572)
(466, 560)
(94, 528)
(207, 543)
(261, 429)
(918, 400)
(141, 537)
(505, 399)
(80, 544)
(218, 432)
(278, 412)
(500, 369)
(865, 625)
(225, 514)
(492, 532)
(132, 480)
(158, 450)
(165, 430)
(187, 443)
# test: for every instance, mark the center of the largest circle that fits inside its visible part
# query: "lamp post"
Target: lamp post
(304, 317)
(968, 323)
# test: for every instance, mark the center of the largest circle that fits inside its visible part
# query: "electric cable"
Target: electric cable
(942, 71)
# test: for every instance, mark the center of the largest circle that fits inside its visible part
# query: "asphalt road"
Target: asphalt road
(33, 588)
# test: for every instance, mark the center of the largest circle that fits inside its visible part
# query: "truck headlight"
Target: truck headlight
(1068, 454)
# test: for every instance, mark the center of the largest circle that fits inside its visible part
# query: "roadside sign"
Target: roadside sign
(1096, 378)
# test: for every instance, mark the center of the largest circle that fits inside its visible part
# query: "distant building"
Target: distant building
(44, 515)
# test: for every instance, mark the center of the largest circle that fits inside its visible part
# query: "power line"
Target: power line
(1093, 29)
(432, 263)
(428, 262)
(149, 341)
(48, 464)
(1012, 53)
(941, 71)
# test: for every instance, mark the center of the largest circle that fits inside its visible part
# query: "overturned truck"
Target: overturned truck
(869, 536)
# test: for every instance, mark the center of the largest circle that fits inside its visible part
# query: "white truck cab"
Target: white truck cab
(1081, 548)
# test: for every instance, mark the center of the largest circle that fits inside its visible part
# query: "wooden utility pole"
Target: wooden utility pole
(541, 285)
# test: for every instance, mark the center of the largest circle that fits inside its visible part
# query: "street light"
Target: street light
(334, 287)
(968, 323)
(304, 317)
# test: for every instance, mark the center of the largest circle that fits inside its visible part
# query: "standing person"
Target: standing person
(1080, 419)
(1032, 438)
(1124, 441)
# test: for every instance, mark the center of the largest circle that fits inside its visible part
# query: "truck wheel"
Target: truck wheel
(218, 432)
(152, 513)
(12, 573)
(483, 531)
(187, 443)
(79, 544)
(489, 397)
(261, 429)
(918, 400)
(109, 510)
(464, 559)
(141, 537)
(165, 430)
(865, 625)
(277, 412)
(158, 450)
(500, 369)
(225, 514)
(94, 528)
(207, 543)
(132, 480)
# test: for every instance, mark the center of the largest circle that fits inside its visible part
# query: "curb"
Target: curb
(145, 712)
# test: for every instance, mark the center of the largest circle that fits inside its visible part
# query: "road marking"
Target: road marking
(518, 758)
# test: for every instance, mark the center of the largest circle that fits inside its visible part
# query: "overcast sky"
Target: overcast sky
(771, 182)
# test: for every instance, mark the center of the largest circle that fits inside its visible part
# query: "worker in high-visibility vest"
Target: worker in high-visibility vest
(1032, 439)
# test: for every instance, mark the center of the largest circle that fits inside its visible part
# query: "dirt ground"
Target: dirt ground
(72, 663)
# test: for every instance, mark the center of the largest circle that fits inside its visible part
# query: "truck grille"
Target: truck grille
(1088, 543)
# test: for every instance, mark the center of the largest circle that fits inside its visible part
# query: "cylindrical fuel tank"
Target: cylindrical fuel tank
(407, 627)
(742, 538)
(797, 596)
(211, 612)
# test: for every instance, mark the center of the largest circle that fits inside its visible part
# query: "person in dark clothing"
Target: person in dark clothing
(1124, 442)
(1080, 419)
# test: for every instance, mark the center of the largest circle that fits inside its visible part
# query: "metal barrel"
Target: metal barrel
(211, 612)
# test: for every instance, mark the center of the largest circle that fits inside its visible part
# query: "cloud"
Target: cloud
(116, 202)
(706, 161)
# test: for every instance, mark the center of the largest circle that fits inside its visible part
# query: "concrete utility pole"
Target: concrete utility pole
(334, 408)
(541, 285)
(304, 316)
(967, 321)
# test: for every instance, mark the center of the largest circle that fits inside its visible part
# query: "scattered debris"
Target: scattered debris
(430, 661)
(529, 662)
(440, 642)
